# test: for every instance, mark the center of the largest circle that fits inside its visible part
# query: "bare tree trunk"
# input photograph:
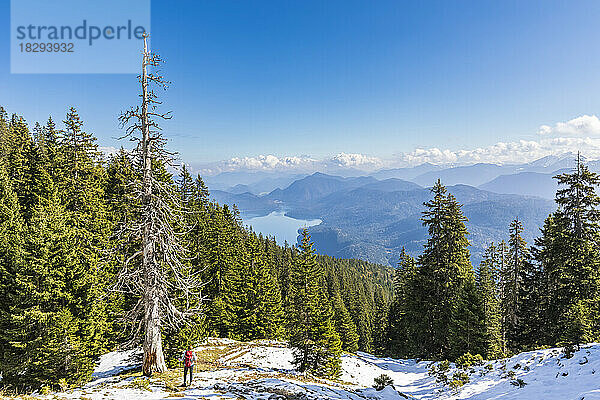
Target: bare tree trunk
(154, 360)
(155, 272)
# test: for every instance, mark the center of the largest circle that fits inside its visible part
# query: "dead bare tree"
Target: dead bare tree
(157, 269)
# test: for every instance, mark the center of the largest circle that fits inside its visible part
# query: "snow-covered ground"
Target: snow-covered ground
(263, 370)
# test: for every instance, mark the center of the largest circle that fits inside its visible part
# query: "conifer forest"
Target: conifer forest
(100, 252)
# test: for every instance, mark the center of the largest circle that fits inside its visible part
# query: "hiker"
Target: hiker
(188, 358)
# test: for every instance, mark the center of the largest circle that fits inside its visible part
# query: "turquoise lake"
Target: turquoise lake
(279, 225)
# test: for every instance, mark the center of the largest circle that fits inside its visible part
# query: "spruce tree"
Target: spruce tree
(224, 271)
(578, 201)
(316, 344)
(61, 336)
(379, 318)
(119, 187)
(449, 301)
(17, 149)
(194, 199)
(403, 319)
(37, 179)
(513, 281)
(119, 194)
(530, 334)
(258, 302)
(267, 305)
(11, 262)
(569, 261)
(487, 285)
(365, 328)
(344, 325)
(48, 318)
(4, 137)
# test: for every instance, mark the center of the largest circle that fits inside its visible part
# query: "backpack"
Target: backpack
(188, 358)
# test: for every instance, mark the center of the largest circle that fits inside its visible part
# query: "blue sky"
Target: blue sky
(318, 78)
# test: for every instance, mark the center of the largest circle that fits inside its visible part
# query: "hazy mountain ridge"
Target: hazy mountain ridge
(372, 220)
(257, 182)
(409, 173)
(374, 225)
(372, 217)
(525, 183)
(317, 186)
(473, 175)
(247, 203)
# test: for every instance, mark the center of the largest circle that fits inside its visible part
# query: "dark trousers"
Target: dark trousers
(185, 372)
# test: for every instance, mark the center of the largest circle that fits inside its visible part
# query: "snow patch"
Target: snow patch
(264, 370)
(115, 363)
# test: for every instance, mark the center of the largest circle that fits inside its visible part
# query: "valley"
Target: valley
(373, 216)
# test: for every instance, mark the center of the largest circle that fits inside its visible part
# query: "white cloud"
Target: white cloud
(432, 155)
(578, 134)
(504, 152)
(292, 163)
(268, 162)
(580, 126)
(259, 163)
(355, 160)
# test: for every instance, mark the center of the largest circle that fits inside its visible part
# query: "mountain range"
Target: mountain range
(372, 217)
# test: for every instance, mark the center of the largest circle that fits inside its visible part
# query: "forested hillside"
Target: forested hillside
(62, 208)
